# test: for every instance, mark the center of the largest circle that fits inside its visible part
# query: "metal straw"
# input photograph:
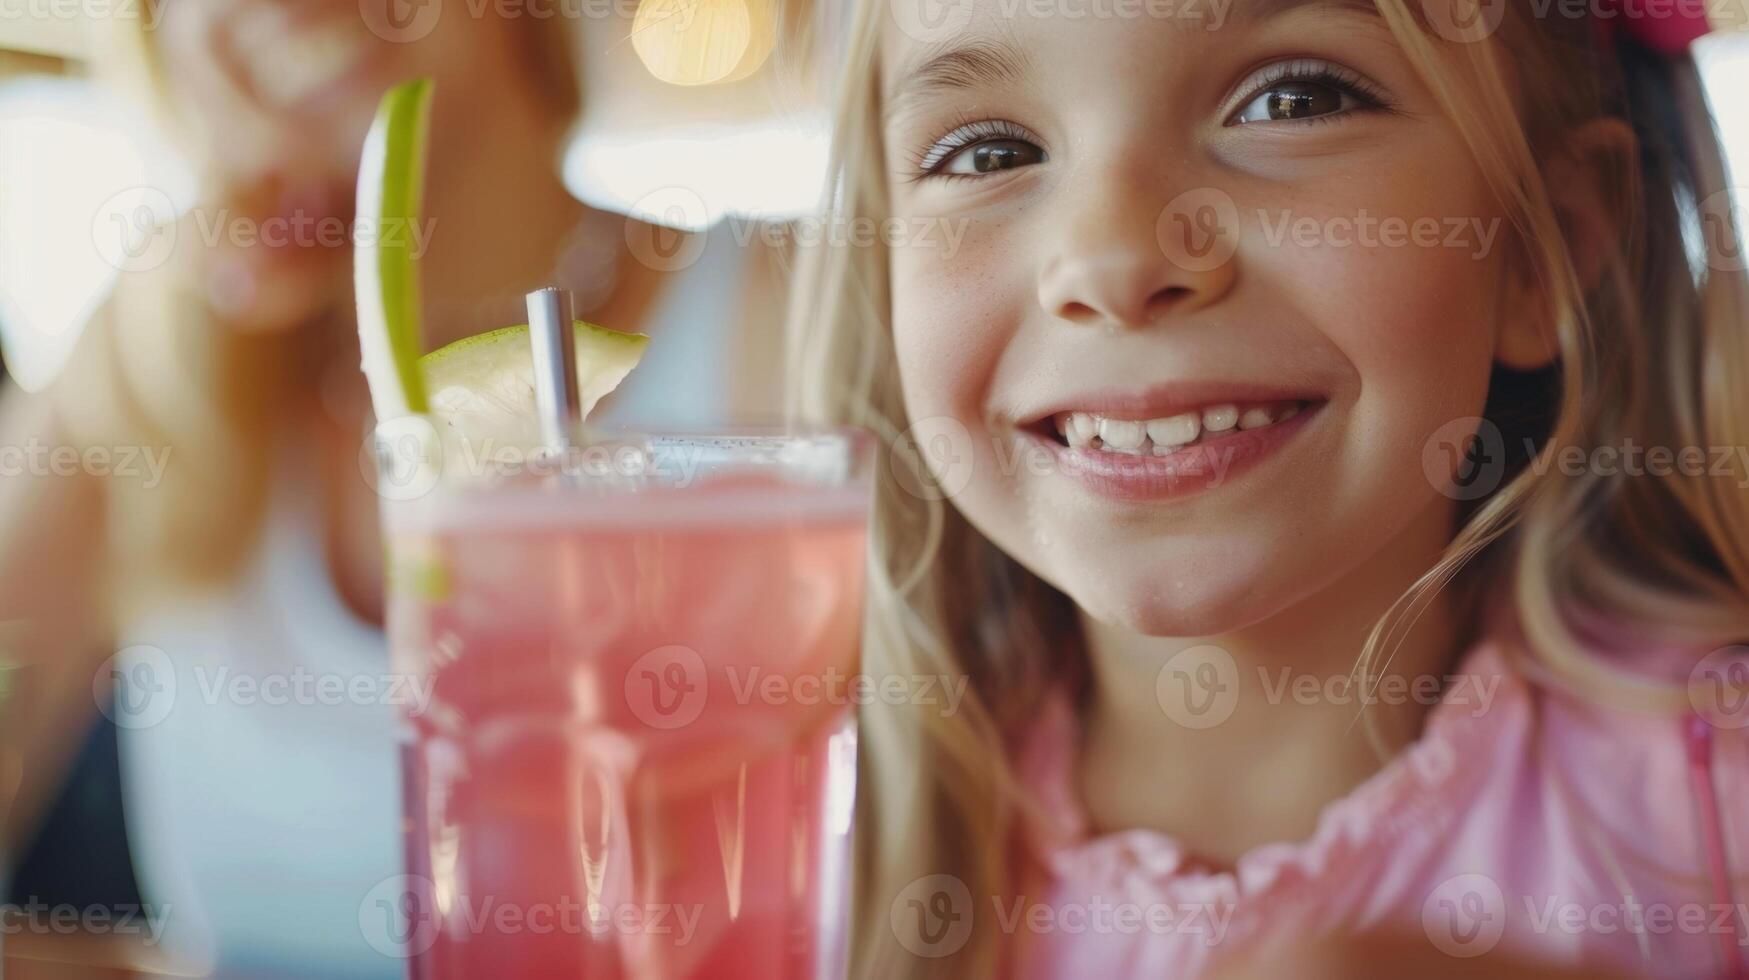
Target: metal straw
(555, 367)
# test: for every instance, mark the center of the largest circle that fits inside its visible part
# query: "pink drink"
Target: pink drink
(638, 756)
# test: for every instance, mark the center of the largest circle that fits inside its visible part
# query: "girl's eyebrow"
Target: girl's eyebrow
(996, 61)
(1254, 10)
(979, 61)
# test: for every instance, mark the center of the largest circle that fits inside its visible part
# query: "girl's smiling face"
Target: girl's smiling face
(1208, 301)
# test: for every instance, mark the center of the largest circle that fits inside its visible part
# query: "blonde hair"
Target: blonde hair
(1656, 352)
(155, 371)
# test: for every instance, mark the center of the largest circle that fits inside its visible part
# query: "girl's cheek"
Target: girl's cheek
(951, 321)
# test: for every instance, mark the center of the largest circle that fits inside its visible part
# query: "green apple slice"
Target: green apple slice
(391, 184)
(483, 387)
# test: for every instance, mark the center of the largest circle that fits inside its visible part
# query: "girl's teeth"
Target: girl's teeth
(1179, 430)
(1220, 418)
(1122, 435)
(1082, 429)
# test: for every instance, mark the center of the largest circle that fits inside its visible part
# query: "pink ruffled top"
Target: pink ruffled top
(1532, 823)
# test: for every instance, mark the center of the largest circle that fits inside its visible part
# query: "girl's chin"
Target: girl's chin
(1187, 609)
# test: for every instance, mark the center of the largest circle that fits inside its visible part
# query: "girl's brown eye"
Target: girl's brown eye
(990, 156)
(1308, 90)
(1300, 100)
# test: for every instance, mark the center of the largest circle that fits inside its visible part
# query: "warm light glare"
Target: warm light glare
(81, 186)
(703, 42)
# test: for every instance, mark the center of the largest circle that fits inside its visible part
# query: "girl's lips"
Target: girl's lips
(1201, 466)
(1173, 398)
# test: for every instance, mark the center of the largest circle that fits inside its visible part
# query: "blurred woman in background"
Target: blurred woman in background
(260, 822)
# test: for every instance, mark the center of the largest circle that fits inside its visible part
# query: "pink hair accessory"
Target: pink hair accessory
(1665, 26)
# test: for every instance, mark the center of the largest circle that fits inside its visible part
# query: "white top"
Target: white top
(257, 725)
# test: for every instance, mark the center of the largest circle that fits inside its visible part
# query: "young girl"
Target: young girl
(1277, 372)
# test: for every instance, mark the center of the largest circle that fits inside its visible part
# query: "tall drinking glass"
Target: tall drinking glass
(629, 745)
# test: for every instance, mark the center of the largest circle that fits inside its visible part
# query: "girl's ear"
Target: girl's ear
(1589, 185)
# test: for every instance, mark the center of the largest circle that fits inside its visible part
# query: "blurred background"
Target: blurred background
(692, 115)
(687, 116)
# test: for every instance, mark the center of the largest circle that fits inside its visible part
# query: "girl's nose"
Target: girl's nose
(1124, 262)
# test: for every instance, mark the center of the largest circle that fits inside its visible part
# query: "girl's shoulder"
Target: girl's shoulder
(1663, 778)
